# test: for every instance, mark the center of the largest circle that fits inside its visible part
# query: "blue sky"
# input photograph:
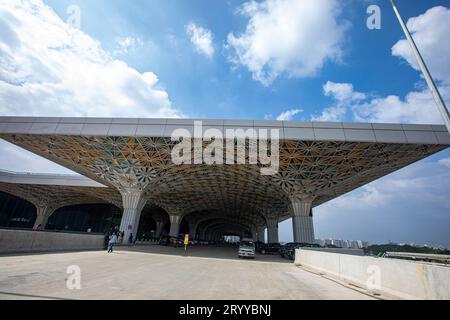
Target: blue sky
(290, 59)
(210, 88)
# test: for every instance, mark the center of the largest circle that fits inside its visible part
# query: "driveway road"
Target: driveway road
(156, 272)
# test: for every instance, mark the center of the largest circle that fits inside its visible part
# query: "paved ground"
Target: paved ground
(155, 272)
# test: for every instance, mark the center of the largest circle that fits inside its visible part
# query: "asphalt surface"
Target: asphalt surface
(157, 272)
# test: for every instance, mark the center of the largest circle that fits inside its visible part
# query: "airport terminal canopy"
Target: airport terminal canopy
(318, 161)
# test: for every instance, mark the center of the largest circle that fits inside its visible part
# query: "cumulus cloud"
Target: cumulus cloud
(335, 113)
(430, 32)
(412, 203)
(288, 115)
(201, 38)
(292, 37)
(342, 92)
(124, 45)
(416, 107)
(48, 68)
(344, 96)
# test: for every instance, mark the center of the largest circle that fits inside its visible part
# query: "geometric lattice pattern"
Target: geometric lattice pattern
(238, 193)
(54, 197)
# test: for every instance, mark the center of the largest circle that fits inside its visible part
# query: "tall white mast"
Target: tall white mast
(434, 90)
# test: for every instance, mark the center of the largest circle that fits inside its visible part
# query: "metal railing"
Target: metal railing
(440, 258)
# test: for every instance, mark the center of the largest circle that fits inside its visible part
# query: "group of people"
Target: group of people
(114, 237)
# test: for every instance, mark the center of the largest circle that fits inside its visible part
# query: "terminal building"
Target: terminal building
(128, 177)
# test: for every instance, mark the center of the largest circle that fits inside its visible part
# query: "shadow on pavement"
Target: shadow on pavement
(213, 252)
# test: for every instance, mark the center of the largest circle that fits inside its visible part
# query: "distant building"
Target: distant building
(351, 244)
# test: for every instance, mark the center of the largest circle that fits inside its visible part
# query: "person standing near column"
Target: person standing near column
(130, 240)
(112, 242)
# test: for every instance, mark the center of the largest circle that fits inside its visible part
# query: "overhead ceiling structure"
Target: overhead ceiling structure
(48, 192)
(318, 161)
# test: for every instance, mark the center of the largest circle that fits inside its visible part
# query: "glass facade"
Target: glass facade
(16, 212)
(85, 218)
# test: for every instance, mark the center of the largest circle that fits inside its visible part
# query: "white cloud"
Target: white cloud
(295, 37)
(288, 115)
(124, 45)
(50, 69)
(201, 38)
(430, 32)
(416, 107)
(344, 95)
(336, 113)
(342, 92)
(445, 162)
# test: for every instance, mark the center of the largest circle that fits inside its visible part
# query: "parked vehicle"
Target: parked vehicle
(146, 236)
(284, 248)
(259, 245)
(246, 248)
(164, 240)
(288, 250)
(270, 248)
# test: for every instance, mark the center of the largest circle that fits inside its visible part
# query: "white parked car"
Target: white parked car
(246, 248)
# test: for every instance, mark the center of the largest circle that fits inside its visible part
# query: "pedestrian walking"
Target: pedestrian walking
(112, 242)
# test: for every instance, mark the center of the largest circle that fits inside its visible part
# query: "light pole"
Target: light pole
(434, 90)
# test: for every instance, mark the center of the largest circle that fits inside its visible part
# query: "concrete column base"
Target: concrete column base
(303, 229)
(302, 221)
(43, 212)
(133, 203)
(272, 231)
(261, 234)
(159, 228)
(174, 225)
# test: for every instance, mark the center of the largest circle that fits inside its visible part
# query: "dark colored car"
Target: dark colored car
(270, 248)
(164, 240)
(258, 245)
(288, 250)
(146, 236)
(284, 248)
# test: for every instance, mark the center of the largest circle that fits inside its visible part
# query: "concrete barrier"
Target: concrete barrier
(393, 277)
(18, 241)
